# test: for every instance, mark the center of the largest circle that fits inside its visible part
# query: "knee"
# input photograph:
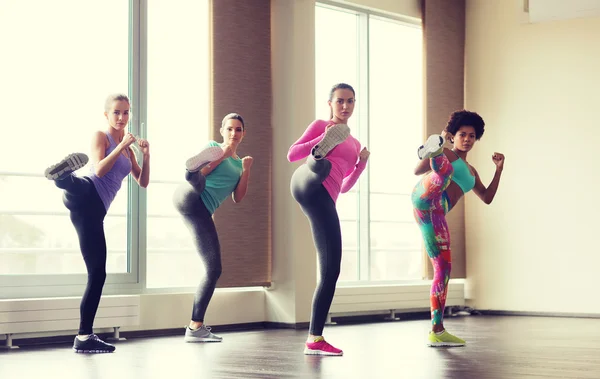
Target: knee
(214, 273)
(331, 274)
(97, 277)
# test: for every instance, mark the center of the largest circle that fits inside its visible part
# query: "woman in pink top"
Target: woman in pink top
(334, 164)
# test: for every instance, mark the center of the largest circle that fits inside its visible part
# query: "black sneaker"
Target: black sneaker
(62, 169)
(92, 345)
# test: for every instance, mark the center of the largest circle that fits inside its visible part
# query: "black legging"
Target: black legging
(319, 207)
(87, 214)
(200, 223)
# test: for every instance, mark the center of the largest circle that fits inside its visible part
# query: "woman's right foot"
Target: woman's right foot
(67, 166)
(334, 135)
(431, 147)
(321, 347)
(210, 154)
(444, 339)
(202, 334)
(92, 345)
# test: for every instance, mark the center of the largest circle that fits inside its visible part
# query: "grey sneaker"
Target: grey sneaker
(333, 137)
(434, 143)
(210, 154)
(202, 334)
(69, 164)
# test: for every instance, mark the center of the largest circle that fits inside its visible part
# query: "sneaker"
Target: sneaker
(321, 347)
(202, 334)
(210, 154)
(333, 137)
(62, 169)
(433, 144)
(444, 339)
(92, 345)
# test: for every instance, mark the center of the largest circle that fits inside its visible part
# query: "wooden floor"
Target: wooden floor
(506, 347)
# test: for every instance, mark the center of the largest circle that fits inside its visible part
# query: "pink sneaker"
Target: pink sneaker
(321, 347)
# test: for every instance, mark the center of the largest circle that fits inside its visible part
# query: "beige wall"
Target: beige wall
(536, 85)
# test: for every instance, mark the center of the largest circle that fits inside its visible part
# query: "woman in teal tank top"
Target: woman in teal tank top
(212, 175)
(449, 176)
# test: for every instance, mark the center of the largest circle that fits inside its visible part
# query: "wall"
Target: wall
(536, 85)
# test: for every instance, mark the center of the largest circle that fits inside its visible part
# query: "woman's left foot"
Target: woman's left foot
(431, 147)
(444, 339)
(65, 167)
(210, 154)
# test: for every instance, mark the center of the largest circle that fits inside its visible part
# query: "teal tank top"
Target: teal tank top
(462, 175)
(221, 182)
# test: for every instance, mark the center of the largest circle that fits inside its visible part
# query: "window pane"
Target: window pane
(329, 71)
(349, 268)
(55, 90)
(395, 84)
(395, 251)
(178, 126)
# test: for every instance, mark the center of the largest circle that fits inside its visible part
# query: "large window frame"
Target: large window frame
(133, 281)
(362, 132)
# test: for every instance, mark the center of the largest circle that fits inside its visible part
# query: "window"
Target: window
(63, 64)
(383, 62)
(178, 127)
(53, 91)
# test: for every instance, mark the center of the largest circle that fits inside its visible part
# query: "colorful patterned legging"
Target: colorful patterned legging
(431, 204)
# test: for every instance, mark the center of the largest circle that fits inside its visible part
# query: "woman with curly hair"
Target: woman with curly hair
(449, 177)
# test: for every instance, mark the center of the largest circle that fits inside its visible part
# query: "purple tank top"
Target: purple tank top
(108, 185)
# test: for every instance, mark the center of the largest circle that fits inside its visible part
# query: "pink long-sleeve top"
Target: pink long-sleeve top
(345, 165)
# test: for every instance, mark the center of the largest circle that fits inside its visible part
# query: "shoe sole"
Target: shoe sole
(71, 163)
(200, 339)
(445, 344)
(430, 146)
(333, 137)
(203, 158)
(92, 351)
(320, 352)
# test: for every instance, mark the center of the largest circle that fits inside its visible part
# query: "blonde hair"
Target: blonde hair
(115, 97)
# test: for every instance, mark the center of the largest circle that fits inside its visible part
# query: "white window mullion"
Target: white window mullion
(363, 136)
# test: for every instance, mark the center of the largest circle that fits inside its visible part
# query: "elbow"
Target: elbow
(99, 173)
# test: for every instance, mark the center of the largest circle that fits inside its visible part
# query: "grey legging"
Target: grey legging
(319, 207)
(200, 223)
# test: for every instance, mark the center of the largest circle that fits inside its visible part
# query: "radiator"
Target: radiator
(390, 298)
(62, 314)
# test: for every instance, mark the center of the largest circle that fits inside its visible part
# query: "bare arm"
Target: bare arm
(141, 175)
(487, 194)
(104, 163)
(242, 187)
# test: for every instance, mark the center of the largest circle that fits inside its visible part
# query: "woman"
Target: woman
(88, 199)
(435, 195)
(212, 175)
(334, 164)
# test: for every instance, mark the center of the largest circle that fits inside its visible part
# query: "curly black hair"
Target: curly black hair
(465, 118)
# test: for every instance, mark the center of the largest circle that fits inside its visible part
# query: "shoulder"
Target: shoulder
(318, 124)
(212, 143)
(450, 155)
(473, 171)
(100, 138)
